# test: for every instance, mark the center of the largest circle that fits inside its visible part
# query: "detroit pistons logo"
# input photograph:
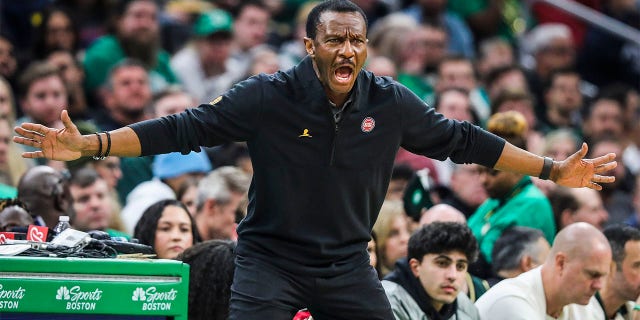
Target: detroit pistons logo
(367, 125)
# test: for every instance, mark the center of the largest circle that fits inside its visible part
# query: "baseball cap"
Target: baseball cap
(171, 165)
(213, 21)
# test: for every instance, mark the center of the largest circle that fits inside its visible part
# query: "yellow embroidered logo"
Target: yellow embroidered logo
(305, 133)
(216, 100)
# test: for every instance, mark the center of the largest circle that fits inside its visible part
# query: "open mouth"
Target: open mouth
(343, 74)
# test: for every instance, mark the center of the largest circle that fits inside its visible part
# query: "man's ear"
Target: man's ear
(526, 263)
(560, 262)
(309, 47)
(414, 264)
(566, 217)
(210, 206)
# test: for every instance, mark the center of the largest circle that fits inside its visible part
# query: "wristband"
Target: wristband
(546, 168)
(636, 307)
(106, 154)
(99, 155)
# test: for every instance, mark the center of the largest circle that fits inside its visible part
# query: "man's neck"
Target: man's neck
(551, 290)
(610, 301)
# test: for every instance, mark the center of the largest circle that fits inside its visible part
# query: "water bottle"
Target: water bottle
(63, 224)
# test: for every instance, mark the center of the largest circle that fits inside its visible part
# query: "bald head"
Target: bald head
(42, 189)
(580, 239)
(580, 259)
(14, 216)
(442, 213)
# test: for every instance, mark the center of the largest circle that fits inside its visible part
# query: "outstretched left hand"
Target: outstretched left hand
(576, 171)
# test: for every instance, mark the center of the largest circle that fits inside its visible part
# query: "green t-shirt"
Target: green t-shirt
(527, 207)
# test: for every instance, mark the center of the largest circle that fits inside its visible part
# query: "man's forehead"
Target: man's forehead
(329, 20)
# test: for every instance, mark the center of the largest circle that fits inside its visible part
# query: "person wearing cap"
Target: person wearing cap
(169, 172)
(322, 137)
(203, 66)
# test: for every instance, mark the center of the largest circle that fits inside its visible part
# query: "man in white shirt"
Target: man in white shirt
(574, 270)
(622, 287)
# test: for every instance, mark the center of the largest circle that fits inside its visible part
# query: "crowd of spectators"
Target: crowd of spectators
(539, 77)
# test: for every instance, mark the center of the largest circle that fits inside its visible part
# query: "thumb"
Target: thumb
(580, 154)
(66, 120)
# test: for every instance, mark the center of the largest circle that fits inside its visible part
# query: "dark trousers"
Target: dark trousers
(263, 291)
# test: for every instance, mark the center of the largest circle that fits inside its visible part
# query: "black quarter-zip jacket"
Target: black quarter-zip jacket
(318, 185)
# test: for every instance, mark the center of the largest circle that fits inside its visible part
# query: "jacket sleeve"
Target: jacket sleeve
(428, 133)
(233, 116)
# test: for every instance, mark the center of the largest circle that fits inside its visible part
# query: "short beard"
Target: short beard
(146, 51)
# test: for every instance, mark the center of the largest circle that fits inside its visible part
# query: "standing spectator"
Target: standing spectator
(518, 250)
(426, 285)
(210, 276)
(220, 194)
(45, 192)
(168, 227)
(392, 230)
(574, 270)
(616, 299)
(136, 36)
(204, 66)
(92, 205)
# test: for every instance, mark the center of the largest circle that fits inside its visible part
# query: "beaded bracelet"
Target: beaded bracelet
(99, 155)
(106, 154)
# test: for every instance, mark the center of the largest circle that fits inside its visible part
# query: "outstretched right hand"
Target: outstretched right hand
(55, 144)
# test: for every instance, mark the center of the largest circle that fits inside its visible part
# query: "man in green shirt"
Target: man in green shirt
(137, 36)
(513, 199)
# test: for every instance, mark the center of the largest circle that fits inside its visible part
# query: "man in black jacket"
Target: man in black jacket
(322, 138)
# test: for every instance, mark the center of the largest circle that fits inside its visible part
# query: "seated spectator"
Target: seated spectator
(45, 192)
(220, 195)
(400, 177)
(574, 270)
(136, 36)
(92, 205)
(426, 285)
(168, 227)
(169, 171)
(616, 299)
(494, 53)
(505, 78)
(522, 102)
(204, 65)
(518, 250)
(73, 76)
(12, 165)
(392, 230)
(57, 31)
(465, 191)
(13, 214)
(442, 213)
(210, 275)
(558, 145)
(617, 196)
(473, 287)
(372, 249)
(571, 205)
(8, 61)
(513, 198)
